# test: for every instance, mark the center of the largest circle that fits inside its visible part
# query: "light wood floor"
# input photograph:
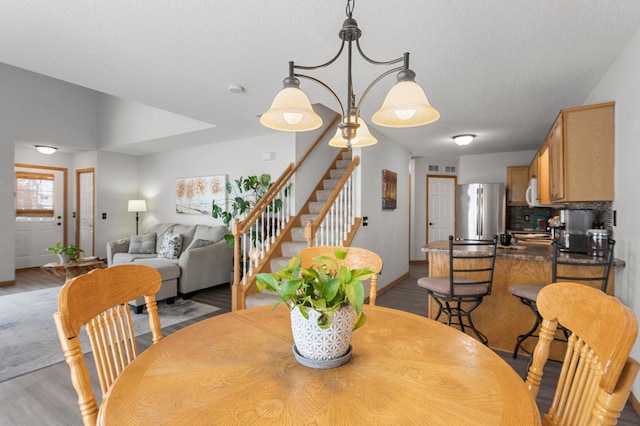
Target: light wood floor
(46, 396)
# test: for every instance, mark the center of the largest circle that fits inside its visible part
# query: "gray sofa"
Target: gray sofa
(203, 260)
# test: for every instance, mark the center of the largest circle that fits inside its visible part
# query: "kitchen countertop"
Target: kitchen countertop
(524, 251)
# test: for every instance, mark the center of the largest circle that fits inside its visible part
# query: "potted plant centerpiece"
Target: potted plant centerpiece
(66, 254)
(325, 301)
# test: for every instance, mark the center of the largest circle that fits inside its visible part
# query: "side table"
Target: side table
(73, 269)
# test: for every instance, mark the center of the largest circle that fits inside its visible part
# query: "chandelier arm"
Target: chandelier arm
(326, 87)
(373, 83)
(391, 62)
(315, 67)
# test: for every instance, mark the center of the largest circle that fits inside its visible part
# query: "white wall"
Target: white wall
(491, 168)
(622, 85)
(123, 122)
(116, 182)
(388, 231)
(158, 172)
(35, 109)
(39, 109)
(7, 212)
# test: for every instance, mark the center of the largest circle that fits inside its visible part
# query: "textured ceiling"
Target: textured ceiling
(501, 69)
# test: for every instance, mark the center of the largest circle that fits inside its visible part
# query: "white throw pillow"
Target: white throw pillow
(171, 246)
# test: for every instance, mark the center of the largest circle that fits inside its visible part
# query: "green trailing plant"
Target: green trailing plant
(72, 251)
(327, 286)
(245, 194)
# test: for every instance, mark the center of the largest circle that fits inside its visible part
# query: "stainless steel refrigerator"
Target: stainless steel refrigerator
(480, 210)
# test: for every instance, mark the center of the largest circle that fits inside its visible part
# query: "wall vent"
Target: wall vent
(434, 168)
(450, 169)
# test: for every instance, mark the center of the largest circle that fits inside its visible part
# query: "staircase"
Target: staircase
(313, 206)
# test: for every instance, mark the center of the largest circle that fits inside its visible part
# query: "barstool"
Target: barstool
(528, 293)
(477, 257)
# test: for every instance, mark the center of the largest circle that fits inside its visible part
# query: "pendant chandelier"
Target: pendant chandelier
(405, 105)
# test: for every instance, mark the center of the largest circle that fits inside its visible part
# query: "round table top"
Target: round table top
(239, 368)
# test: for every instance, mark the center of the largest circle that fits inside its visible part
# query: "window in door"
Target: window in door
(34, 196)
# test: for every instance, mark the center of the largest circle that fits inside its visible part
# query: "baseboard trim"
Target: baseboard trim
(418, 262)
(634, 402)
(7, 283)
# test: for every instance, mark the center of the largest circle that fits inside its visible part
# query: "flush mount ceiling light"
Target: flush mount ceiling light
(463, 139)
(405, 105)
(46, 149)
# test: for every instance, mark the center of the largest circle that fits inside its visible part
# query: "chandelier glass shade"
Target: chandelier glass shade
(363, 137)
(406, 104)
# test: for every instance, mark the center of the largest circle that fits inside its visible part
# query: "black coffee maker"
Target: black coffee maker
(573, 236)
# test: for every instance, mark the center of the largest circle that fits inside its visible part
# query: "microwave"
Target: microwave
(531, 195)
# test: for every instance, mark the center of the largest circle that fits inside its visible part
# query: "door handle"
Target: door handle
(431, 223)
(59, 224)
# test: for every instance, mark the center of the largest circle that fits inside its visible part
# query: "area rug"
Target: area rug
(28, 339)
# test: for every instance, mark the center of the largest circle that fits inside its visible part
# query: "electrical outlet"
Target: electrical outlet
(526, 218)
(365, 221)
(104, 215)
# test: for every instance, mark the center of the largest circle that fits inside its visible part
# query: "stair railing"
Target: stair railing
(334, 223)
(259, 230)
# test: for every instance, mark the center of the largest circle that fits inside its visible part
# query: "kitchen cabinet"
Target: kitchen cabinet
(517, 182)
(543, 174)
(581, 154)
(533, 166)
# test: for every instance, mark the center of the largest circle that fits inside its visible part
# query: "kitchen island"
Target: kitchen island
(501, 316)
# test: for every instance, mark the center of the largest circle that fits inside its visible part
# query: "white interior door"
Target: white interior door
(34, 235)
(85, 210)
(440, 207)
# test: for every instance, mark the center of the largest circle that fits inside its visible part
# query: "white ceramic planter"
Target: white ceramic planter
(315, 343)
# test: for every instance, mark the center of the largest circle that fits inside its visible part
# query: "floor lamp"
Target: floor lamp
(137, 206)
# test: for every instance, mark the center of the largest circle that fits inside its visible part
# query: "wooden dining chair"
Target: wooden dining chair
(98, 301)
(597, 373)
(357, 258)
(562, 269)
(470, 278)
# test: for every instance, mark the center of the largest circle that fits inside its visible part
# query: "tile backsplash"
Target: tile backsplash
(517, 215)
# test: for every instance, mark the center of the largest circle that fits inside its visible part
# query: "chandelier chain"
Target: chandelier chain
(350, 7)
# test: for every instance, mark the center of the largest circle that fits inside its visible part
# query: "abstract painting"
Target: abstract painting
(195, 195)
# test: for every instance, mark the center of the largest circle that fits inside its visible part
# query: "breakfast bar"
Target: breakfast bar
(501, 316)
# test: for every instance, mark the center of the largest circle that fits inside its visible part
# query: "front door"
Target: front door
(40, 223)
(440, 207)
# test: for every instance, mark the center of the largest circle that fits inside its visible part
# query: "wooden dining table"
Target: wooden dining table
(239, 368)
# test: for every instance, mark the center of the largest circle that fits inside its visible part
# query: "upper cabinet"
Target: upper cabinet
(517, 182)
(543, 174)
(581, 154)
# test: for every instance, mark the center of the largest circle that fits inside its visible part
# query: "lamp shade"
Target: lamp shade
(363, 137)
(137, 206)
(291, 111)
(46, 149)
(406, 105)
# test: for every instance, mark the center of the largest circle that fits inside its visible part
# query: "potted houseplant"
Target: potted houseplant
(245, 195)
(325, 301)
(66, 254)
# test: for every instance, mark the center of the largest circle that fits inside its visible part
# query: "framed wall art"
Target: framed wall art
(389, 189)
(195, 195)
